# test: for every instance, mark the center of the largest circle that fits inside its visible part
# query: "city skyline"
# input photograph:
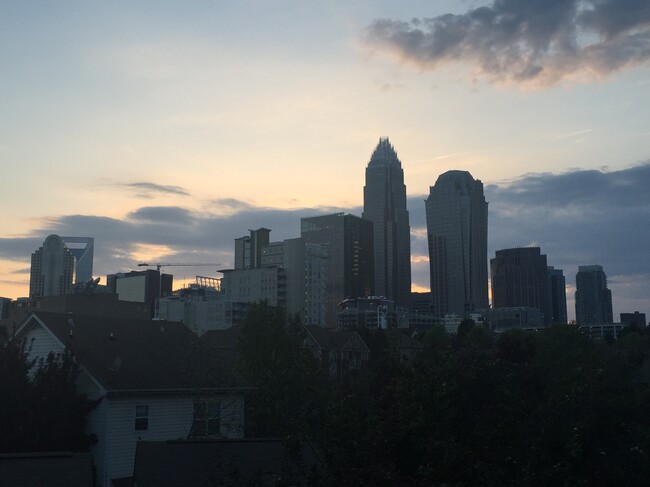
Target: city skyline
(165, 132)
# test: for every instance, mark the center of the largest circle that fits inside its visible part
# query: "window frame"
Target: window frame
(206, 418)
(141, 417)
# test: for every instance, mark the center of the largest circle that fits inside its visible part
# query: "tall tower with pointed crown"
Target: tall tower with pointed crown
(384, 203)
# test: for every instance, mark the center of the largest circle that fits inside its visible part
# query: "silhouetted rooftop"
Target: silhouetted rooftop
(48, 469)
(128, 355)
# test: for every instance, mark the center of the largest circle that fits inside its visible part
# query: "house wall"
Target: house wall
(113, 419)
(40, 342)
(170, 418)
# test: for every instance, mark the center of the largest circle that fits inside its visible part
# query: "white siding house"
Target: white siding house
(150, 381)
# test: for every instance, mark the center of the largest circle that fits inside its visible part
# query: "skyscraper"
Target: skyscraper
(349, 264)
(457, 232)
(248, 250)
(384, 203)
(52, 269)
(82, 248)
(519, 279)
(556, 287)
(593, 299)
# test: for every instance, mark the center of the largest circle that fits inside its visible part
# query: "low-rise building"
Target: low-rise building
(635, 319)
(149, 379)
(501, 319)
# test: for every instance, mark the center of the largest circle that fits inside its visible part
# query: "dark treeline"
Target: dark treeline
(518, 408)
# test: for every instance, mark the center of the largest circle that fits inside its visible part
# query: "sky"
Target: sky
(166, 129)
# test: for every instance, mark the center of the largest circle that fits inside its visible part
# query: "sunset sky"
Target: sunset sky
(167, 129)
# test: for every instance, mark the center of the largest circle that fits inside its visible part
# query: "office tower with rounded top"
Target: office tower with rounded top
(457, 215)
(52, 269)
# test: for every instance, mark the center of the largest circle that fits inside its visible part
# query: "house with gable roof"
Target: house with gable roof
(153, 380)
(338, 351)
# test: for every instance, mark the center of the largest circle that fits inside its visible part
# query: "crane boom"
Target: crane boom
(159, 265)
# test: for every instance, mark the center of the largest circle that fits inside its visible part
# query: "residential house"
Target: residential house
(339, 351)
(153, 379)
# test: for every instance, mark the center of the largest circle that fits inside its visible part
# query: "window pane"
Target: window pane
(141, 417)
(141, 424)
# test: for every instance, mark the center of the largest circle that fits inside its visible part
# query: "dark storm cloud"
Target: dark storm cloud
(537, 42)
(146, 190)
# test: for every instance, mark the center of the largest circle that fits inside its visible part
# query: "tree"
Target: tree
(60, 413)
(16, 392)
(290, 387)
(39, 404)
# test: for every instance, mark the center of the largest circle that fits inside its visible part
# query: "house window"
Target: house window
(142, 418)
(207, 418)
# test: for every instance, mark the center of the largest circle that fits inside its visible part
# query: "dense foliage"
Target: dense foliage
(40, 409)
(290, 388)
(518, 408)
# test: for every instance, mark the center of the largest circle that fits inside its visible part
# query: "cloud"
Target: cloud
(533, 42)
(577, 218)
(177, 234)
(19, 249)
(147, 190)
(580, 217)
(229, 205)
(163, 214)
(24, 270)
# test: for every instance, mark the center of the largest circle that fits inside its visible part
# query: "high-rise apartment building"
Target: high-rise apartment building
(52, 269)
(83, 249)
(556, 287)
(593, 298)
(248, 249)
(384, 203)
(457, 216)
(519, 279)
(290, 274)
(306, 276)
(348, 240)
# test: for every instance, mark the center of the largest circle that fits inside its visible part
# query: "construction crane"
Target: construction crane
(158, 266)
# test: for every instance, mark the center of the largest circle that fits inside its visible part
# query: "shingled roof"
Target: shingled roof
(49, 469)
(332, 340)
(127, 355)
(222, 462)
